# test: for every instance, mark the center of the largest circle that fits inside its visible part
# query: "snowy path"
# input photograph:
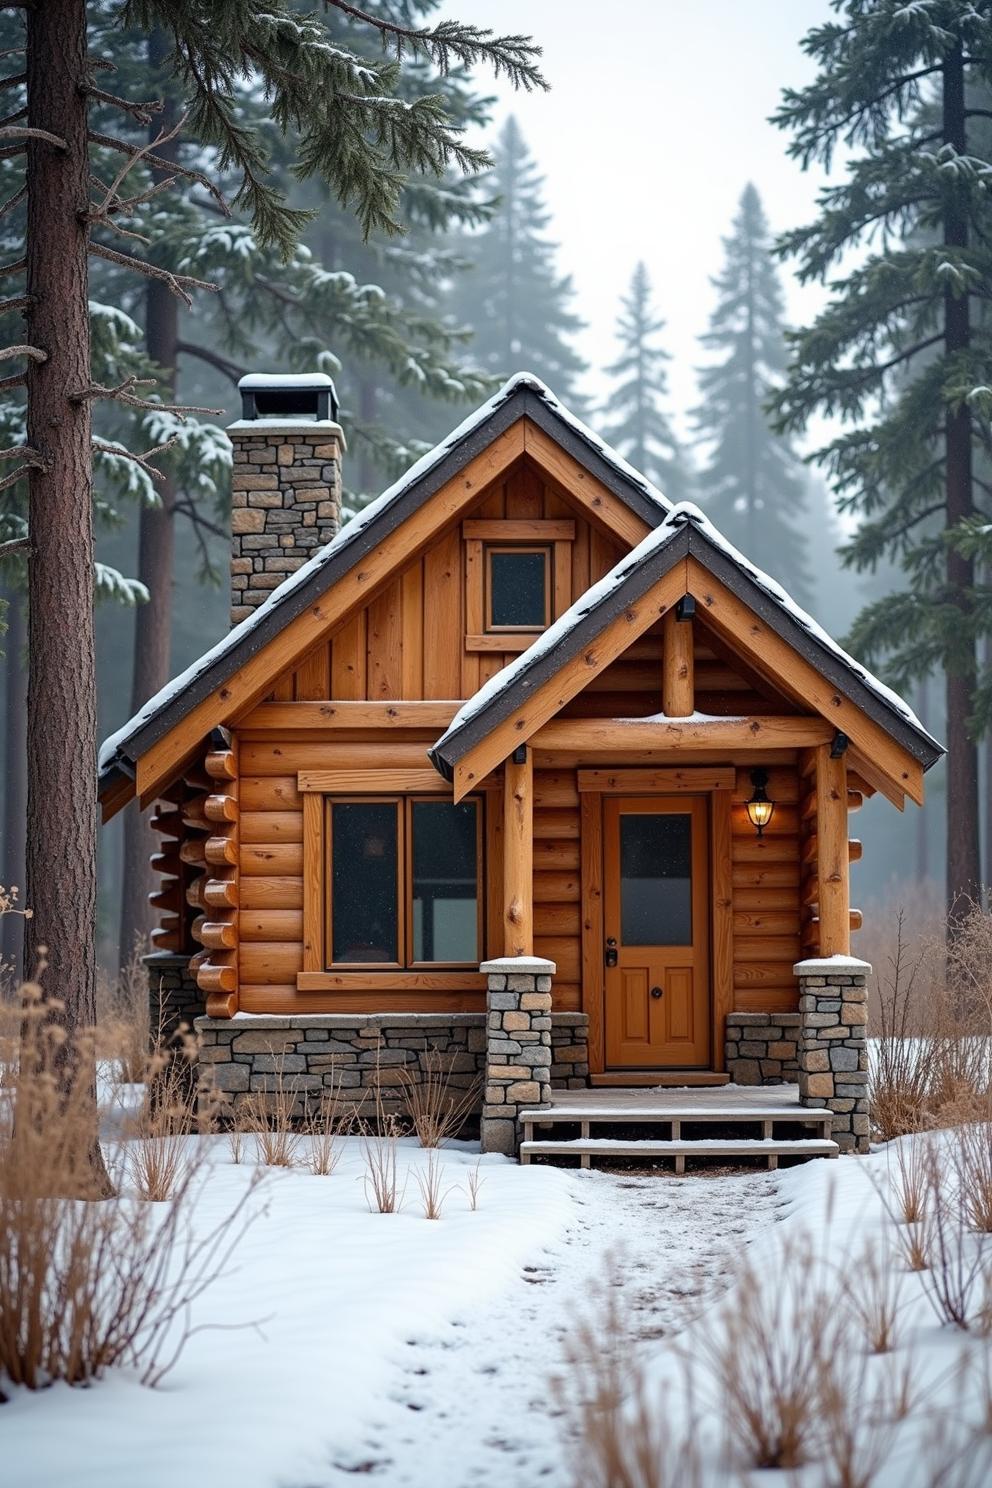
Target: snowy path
(471, 1405)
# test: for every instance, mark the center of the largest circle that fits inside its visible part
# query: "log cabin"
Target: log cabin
(523, 764)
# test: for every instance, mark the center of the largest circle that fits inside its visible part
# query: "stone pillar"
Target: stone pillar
(833, 1047)
(174, 998)
(518, 1046)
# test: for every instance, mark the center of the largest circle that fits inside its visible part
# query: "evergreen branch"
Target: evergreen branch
(175, 282)
(213, 359)
(161, 164)
(140, 112)
(22, 132)
(513, 55)
(33, 353)
(196, 517)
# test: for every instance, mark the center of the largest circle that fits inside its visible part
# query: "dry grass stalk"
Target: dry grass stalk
(769, 1356)
(973, 1167)
(876, 1300)
(87, 1282)
(269, 1114)
(236, 1130)
(911, 1181)
(325, 1125)
(429, 1181)
(436, 1109)
(380, 1148)
(157, 1150)
(958, 1279)
(473, 1184)
(124, 1031)
(617, 1432)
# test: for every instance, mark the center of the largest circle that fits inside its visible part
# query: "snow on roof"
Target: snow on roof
(674, 522)
(358, 524)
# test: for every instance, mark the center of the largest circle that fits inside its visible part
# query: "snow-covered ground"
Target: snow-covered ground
(419, 1353)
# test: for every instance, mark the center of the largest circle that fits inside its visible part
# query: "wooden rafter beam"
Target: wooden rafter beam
(634, 736)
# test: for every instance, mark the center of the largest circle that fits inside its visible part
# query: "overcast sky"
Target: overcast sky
(656, 119)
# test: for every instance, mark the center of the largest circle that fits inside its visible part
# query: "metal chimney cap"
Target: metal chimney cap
(305, 397)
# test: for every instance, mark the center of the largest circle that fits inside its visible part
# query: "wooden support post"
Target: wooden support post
(832, 854)
(518, 856)
(678, 688)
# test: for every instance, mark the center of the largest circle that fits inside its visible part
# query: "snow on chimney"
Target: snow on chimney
(286, 481)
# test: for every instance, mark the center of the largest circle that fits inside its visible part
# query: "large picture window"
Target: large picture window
(403, 875)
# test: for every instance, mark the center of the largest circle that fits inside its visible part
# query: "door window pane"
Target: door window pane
(364, 840)
(445, 889)
(518, 589)
(655, 879)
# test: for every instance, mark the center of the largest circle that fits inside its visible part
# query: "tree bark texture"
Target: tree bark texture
(963, 856)
(156, 548)
(61, 721)
(15, 778)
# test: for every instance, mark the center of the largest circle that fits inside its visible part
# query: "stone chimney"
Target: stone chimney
(285, 482)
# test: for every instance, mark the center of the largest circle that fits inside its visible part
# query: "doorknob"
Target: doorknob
(656, 991)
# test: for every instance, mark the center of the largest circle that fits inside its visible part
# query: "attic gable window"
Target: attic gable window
(518, 588)
(518, 580)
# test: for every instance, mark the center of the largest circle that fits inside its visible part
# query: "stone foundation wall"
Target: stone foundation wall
(763, 1048)
(518, 1046)
(833, 1050)
(174, 999)
(569, 1051)
(319, 1052)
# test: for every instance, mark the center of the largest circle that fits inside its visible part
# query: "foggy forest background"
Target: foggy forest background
(417, 330)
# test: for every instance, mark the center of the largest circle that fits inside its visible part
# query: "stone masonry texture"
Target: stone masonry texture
(285, 504)
(354, 1053)
(174, 999)
(833, 1047)
(763, 1048)
(518, 1047)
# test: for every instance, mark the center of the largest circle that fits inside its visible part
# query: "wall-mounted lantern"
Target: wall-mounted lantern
(760, 809)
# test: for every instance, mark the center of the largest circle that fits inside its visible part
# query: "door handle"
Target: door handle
(611, 951)
(657, 991)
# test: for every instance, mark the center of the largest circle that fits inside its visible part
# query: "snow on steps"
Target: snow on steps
(769, 1148)
(734, 1109)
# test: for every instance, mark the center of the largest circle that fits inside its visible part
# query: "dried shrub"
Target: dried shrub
(156, 1150)
(931, 1061)
(429, 1181)
(617, 1432)
(124, 1032)
(958, 1278)
(380, 1136)
(769, 1358)
(436, 1109)
(911, 1182)
(270, 1117)
(973, 1167)
(326, 1123)
(473, 1186)
(88, 1281)
(876, 1300)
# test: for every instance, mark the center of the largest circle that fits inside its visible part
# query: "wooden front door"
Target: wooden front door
(657, 910)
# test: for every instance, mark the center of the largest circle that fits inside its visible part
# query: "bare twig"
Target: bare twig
(176, 282)
(162, 164)
(142, 112)
(31, 352)
(163, 137)
(13, 118)
(22, 452)
(142, 460)
(213, 359)
(17, 267)
(18, 380)
(16, 78)
(122, 394)
(16, 302)
(14, 545)
(13, 201)
(21, 131)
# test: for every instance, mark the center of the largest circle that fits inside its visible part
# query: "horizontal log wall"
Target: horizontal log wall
(766, 910)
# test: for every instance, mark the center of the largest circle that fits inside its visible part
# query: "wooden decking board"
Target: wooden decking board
(771, 1149)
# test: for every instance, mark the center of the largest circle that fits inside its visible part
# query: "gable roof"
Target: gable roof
(684, 532)
(522, 396)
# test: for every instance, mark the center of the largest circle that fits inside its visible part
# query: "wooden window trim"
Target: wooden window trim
(482, 537)
(405, 787)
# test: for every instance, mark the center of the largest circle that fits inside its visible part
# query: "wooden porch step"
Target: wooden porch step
(615, 1111)
(585, 1148)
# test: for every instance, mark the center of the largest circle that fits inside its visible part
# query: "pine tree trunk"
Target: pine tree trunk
(61, 709)
(751, 415)
(156, 550)
(963, 861)
(15, 779)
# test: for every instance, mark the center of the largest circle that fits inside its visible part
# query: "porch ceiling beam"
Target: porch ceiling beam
(634, 736)
(331, 716)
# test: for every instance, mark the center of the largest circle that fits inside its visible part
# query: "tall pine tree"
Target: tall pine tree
(902, 350)
(514, 297)
(635, 420)
(752, 484)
